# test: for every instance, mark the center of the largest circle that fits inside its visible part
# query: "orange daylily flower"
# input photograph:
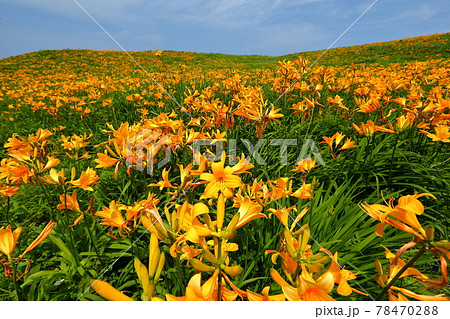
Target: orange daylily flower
(186, 220)
(69, 202)
(338, 101)
(282, 214)
(411, 294)
(395, 264)
(404, 121)
(14, 172)
(370, 128)
(328, 140)
(341, 276)
(436, 283)
(336, 139)
(399, 100)
(222, 179)
(87, 178)
(264, 296)
(196, 291)
(165, 182)
(44, 234)
(308, 288)
(7, 190)
(347, 145)
(55, 177)
(305, 166)
(405, 214)
(288, 264)
(279, 189)
(442, 134)
(248, 211)
(365, 129)
(273, 114)
(315, 290)
(22, 155)
(242, 166)
(8, 240)
(104, 160)
(51, 162)
(113, 217)
(75, 142)
(189, 252)
(305, 191)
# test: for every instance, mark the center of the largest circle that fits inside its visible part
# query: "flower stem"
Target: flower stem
(92, 240)
(369, 150)
(297, 271)
(180, 271)
(219, 288)
(392, 158)
(16, 285)
(6, 210)
(401, 271)
(47, 195)
(69, 230)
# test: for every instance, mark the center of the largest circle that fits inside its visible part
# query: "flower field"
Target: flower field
(189, 176)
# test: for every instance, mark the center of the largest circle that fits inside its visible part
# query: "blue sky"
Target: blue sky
(265, 27)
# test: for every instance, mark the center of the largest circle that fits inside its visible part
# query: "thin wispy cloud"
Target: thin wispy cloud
(227, 14)
(399, 16)
(419, 13)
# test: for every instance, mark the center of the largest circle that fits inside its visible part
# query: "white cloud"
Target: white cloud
(224, 14)
(423, 12)
(231, 26)
(402, 14)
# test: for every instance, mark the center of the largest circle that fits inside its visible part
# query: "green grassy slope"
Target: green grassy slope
(421, 48)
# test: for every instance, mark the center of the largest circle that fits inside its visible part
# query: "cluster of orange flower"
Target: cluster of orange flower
(205, 242)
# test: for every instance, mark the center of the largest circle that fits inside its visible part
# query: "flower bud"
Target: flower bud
(209, 256)
(228, 234)
(429, 232)
(162, 261)
(233, 270)
(290, 244)
(233, 222)
(107, 291)
(200, 266)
